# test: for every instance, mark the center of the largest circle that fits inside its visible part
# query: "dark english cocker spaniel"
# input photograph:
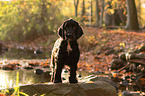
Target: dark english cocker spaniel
(66, 51)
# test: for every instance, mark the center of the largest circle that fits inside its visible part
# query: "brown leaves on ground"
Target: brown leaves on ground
(98, 41)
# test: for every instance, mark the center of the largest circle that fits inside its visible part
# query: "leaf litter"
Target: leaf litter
(98, 48)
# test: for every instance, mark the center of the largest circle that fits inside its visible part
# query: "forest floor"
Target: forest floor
(98, 46)
(103, 45)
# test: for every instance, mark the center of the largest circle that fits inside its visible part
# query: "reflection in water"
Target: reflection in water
(4, 80)
(8, 78)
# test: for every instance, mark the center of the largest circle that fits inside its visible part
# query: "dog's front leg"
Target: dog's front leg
(62, 57)
(59, 67)
(74, 55)
(73, 69)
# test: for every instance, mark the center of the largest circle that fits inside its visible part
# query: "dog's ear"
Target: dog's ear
(79, 32)
(61, 32)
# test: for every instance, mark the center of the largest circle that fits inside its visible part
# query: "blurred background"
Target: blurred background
(29, 19)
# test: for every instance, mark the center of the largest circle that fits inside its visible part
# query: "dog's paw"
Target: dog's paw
(57, 81)
(73, 80)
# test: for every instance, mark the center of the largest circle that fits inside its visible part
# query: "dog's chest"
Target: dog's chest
(69, 48)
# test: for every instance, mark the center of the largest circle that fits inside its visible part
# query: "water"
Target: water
(23, 56)
(8, 77)
(14, 53)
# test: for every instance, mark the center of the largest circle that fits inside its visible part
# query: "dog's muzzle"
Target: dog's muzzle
(70, 36)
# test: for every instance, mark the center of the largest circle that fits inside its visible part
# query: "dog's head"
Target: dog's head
(70, 30)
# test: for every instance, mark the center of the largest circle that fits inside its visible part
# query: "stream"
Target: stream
(26, 76)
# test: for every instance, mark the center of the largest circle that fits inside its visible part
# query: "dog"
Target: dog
(66, 51)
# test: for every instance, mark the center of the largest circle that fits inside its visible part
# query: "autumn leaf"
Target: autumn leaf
(122, 44)
(112, 11)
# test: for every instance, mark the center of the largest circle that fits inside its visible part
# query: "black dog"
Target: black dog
(69, 32)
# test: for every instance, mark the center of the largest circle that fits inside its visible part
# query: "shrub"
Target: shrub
(21, 20)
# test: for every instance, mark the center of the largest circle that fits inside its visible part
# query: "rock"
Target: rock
(11, 66)
(7, 68)
(46, 66)
(28, 67)
(94, 86)
(38, 51)
(96, 78)
(99, 88)
(105, 79)
(63, 78)
(38, 71)
(122, 56)
(33, 64)
(142, 49)
(80, 76)
(117, 64)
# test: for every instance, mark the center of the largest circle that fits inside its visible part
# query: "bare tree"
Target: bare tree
(97, 13)
(76, 3)
(91, 13)
(132, 20)
(102, 11)
(83, 10)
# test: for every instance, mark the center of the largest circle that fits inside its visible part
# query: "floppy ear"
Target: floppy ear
(79, 32)
(61, 32)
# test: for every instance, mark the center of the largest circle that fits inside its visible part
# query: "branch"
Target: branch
(141, 61)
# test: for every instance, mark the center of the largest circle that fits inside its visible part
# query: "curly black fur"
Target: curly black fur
(69, 32)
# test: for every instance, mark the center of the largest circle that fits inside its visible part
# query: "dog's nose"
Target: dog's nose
(69, 34)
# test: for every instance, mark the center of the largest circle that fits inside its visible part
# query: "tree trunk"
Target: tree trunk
(139, 11)
(102, 11)
(83, 11)
(132, 20)
(97, 13)
(76, 3)
(91, 13)
(43, 16)
(108, 16)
